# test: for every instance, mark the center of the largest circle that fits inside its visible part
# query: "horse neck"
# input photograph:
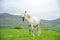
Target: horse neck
(26, 18)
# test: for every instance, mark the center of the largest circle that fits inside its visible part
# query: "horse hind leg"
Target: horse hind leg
(29, 31)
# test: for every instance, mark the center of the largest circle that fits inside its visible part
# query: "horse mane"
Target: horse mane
(29, 16)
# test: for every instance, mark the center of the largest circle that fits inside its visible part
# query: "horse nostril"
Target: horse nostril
(23, 18)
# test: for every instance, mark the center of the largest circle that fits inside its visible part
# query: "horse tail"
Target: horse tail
(39, 27)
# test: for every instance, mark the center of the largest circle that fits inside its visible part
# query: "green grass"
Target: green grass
(23, 34)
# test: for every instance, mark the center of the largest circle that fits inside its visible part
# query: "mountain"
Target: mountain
(10, 21)
(6, 15)
(51, 24)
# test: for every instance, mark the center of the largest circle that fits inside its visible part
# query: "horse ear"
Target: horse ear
(25, 11)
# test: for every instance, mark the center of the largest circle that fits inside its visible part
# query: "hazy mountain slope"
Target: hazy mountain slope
(51, 24)
(10, 21)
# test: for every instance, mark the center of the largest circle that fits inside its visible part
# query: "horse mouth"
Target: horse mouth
(22, 18)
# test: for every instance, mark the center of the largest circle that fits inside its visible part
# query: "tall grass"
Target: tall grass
(23, 34)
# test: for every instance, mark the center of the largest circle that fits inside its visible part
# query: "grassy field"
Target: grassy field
(23, 34)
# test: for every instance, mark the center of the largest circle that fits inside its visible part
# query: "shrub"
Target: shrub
(18, 27)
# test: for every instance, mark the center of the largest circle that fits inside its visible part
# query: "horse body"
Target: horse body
(31, 20)
(33, 23)
(35, 20)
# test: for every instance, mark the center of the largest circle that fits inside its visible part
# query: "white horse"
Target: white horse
(33, 23)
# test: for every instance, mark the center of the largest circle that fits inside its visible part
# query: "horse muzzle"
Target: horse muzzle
(22, 18)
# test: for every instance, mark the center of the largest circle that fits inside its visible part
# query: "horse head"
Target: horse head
(23, 15)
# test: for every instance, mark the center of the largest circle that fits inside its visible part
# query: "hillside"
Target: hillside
(51, 24)
(11, 21)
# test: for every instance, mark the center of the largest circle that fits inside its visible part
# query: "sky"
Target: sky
(43, 9)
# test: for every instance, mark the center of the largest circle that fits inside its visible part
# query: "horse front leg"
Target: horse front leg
(29, 26)
(32, 30)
